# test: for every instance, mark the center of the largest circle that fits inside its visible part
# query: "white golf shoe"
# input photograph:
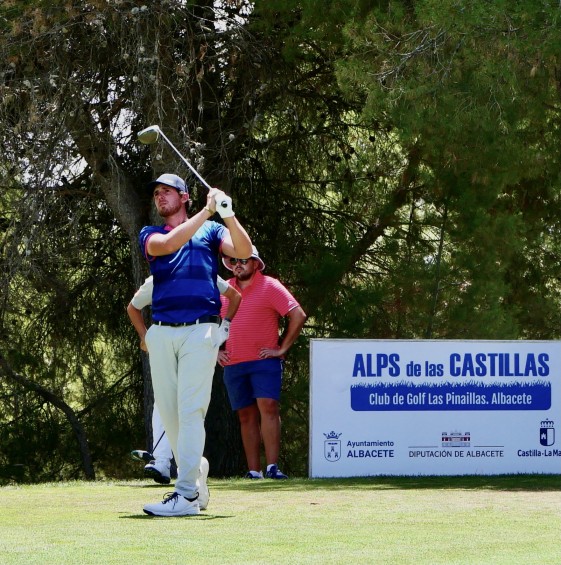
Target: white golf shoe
(204, 493)
(173, 505)
(159, 470)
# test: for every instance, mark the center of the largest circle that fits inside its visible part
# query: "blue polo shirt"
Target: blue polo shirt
(185, 281)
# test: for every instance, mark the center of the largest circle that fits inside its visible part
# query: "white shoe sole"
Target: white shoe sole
(191, 512)
(168, 510)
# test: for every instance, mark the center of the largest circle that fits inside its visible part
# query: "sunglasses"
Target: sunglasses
(233, 261)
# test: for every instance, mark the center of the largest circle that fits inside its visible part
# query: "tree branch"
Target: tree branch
(53, 399)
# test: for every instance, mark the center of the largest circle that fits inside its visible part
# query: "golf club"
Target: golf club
(151, 134)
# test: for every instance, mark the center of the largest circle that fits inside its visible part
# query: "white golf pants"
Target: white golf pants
(161, 448)
(182, 363)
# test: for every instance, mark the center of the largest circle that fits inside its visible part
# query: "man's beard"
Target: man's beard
(243, 275)
(170, 209)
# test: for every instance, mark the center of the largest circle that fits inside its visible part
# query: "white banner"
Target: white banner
(388, 407)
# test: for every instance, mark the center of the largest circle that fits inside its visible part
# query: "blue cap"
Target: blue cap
(170, 180)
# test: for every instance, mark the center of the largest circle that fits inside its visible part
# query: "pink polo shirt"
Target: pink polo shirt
(256, 323)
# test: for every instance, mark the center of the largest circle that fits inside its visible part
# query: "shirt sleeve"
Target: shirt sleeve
(145, 233)
(222, 285)
(143, 296)
(281, 298)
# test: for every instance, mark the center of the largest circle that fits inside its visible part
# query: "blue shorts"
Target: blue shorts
(253, 379)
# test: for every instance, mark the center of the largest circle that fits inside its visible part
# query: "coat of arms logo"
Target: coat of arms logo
(547, 432)
(332, 446)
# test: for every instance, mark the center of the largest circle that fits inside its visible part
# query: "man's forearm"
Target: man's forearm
(296, 321)
(137, 320)
(241, 241)
(165, 244)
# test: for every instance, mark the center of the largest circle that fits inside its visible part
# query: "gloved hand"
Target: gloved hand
(223, 331)
(223, 205)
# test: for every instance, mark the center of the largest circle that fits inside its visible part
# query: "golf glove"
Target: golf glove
(224, 205)
(223, 331)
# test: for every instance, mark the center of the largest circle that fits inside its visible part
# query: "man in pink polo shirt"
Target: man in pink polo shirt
(253, 358)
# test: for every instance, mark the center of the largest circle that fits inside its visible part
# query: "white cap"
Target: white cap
(254, 255)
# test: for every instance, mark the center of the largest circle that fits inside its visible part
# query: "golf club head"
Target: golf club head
(149, 135)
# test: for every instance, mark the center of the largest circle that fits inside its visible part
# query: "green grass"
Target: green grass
(506, 520)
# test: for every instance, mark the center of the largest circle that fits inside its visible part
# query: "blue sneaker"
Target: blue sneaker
(273, 472)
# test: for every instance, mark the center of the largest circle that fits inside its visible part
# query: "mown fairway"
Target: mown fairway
(453, 520)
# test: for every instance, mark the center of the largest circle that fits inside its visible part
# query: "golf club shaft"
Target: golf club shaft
(158, 442)
(193, 170)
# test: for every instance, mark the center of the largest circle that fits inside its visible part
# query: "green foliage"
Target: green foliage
(396, 163)
(64, 328)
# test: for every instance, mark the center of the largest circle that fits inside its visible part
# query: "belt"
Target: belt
(201, 320)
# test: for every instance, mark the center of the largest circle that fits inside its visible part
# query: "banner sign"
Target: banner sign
(388, 407)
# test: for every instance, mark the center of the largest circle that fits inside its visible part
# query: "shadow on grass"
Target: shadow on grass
(197, 517)
(530, 483)
(152, 485)
(496, 482)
